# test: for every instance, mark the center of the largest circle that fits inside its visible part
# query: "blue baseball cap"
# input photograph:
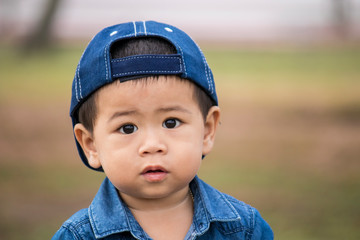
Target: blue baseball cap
(96, 67)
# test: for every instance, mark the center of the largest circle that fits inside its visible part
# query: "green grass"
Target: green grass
(288, 143)
(37, 76)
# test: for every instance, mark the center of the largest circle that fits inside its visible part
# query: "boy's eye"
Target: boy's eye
(128, 129)
(171, 123)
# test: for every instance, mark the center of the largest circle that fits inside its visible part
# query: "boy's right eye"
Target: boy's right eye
(128, 129)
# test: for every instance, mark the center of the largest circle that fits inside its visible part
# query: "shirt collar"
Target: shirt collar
(108, 205)
(206, 207)
(109, 215)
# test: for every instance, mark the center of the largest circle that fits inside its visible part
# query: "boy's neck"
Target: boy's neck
(164, 217)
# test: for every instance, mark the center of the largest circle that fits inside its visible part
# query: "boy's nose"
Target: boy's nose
(152, 144)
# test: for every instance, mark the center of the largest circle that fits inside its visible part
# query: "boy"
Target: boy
(145, 111)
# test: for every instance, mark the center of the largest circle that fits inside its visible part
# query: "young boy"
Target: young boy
(145, 111)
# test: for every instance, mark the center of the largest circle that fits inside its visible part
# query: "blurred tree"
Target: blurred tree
(40, 38)
(341, 14)
(7, 18)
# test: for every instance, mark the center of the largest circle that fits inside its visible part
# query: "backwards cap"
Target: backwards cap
(96, 68)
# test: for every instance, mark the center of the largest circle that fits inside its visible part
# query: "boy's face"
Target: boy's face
(149, 137)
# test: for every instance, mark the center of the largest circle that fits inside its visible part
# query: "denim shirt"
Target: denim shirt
(216, 216)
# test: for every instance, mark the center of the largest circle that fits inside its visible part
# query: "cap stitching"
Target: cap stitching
(139, 57)
(144, 27)
(208, 75)
(206, 71)
(76, 80)
(181, 68)
(80, 90)
(106, 65)
(211, 89)
(134, 28)
(149, 71)
(123, 36)
(182, 55)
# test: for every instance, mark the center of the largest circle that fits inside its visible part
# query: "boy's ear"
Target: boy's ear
(211, 123)
(86, 141)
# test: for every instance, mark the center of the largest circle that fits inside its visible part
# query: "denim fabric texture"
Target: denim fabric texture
(216, 216)
(146, 64)
(96, 68)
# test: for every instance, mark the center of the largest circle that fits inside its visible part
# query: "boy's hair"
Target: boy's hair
(145, 45)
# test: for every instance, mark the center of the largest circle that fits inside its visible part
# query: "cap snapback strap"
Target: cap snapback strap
(148, 64)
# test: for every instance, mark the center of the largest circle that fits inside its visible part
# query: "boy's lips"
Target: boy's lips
(154, 173)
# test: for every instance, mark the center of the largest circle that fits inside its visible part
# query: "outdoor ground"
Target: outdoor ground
(288, 143)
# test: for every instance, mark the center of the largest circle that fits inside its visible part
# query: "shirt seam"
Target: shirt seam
(74, 227)
(250, 230)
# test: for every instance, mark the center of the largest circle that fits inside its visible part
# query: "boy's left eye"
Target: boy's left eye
(171, 123)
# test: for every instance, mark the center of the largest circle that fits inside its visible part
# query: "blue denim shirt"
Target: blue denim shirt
(216, 216)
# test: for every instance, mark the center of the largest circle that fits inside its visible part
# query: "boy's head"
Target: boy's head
(142, 53)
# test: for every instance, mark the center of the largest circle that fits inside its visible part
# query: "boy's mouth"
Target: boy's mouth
(154, 173)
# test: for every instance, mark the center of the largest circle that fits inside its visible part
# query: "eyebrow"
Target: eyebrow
(160, 110)
(121, 114)
(174, 108)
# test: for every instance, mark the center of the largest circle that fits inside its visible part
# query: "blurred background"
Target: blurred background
(288, 80)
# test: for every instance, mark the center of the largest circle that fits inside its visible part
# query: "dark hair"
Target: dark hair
(138, 46)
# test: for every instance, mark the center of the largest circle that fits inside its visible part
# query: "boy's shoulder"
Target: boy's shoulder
(76, 226)
(209, 194)
(78, 219)
(230, 215)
